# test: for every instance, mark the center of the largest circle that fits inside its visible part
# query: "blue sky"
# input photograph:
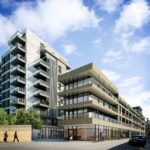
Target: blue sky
(114, 35)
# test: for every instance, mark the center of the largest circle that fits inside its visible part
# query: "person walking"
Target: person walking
(5, 137)
(39, 135)
(71, 138)
(15, 137)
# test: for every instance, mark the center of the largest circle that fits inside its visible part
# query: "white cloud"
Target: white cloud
(111, 53)
(109, 6)
(132, 90)
(143, 45)
(69, 49)
(112, 56)
(50, 19)
(7, 29)
(112, 76)
(97, 41)
(139, 99)
(129, 82)
(134, 15)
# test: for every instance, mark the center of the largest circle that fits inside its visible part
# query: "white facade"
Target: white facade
(34, 49)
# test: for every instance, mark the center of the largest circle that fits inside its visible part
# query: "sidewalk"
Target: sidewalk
(77, 141)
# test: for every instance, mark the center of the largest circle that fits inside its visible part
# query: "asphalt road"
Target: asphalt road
(105, 145)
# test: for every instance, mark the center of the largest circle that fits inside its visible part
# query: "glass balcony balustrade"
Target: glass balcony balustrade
(41, 93)
(88, 115)
(86, 82)
(18, 101)
(17, 37)
(41, 73)
(75, 100)
(41, 83)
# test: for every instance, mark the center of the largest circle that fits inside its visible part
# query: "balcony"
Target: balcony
(41, 94)
(18, 81)
(88, 103)
(40, 63)
(18, 49)
(90, 87)
(18, 59)
(18, 92)
(43, 104)
(40, 74)
(18, 70)
(41, 84)
(88, 117)
(17, 37)
(18, 102)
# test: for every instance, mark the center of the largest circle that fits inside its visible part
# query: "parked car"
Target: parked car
(138, 140)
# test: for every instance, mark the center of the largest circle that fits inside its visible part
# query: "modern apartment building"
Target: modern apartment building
(91, 108)
(148, 128)
(0, 84)
(29, 71)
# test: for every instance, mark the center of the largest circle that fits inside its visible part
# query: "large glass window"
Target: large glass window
(80, 113)
(66, 115)
(67, 87)
(75, 84)
(59, 69)
(75, 100)
(75, 114)
(67, 102)
(100, 101)
(71, 85)
(80, 83)
(80, 98)
(86, 97)
(70, 115)
(71, 100)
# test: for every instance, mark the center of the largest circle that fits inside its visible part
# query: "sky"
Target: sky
(113, 34)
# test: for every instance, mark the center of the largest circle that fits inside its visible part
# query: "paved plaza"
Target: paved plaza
(79, 145)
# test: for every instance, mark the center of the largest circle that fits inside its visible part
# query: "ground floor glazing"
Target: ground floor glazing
(96, 132)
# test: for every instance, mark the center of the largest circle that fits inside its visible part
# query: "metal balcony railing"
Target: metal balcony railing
(89, 115)
(18, 56)
(21, 100)
(18, 67)
(41, 92)
(18, 78)
(41, 81)
(18, 89)
(41, 71)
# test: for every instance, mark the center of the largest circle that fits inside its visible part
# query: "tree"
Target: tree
(33, 118)
(11, 119)
(20, 117)
(3, 117)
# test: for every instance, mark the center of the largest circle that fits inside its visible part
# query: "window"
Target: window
(86, 97)
(75, 100)
(80, 83)
(59, 86)
(71, 86)
(75, 84)
(71, 100)
(75, 114)
(80, 99)
(59, 69)
(67, 87)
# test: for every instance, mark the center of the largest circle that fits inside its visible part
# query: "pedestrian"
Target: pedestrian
(39, 135)
(15, 137)
(71, 138)
(5, 136)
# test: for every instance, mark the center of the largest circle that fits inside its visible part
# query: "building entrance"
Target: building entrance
(73, 133)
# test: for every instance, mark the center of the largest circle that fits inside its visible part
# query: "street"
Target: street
(84, 145)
